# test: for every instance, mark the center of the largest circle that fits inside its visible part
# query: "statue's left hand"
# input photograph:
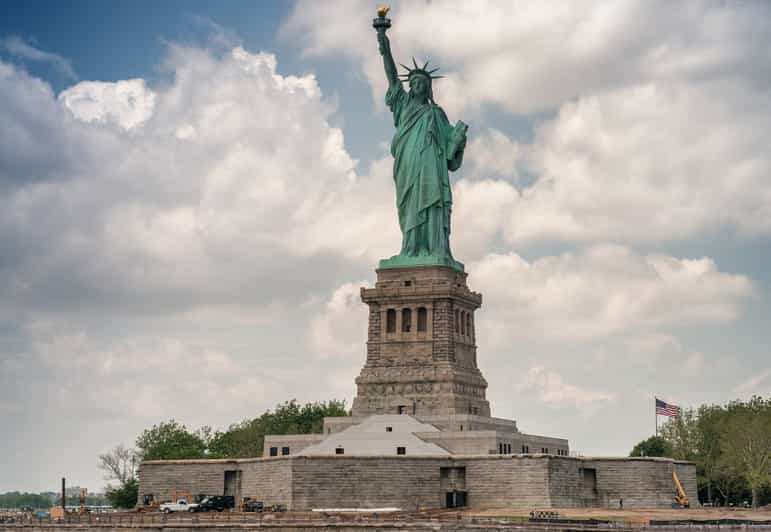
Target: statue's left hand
(459, 135)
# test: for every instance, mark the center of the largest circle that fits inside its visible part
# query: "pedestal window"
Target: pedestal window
(391, 321)
(422, 319)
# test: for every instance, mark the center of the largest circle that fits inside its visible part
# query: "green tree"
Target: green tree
(170, 440)
(241, 440)
(125, 495)
(708, 451)
(291, 418)
(681, 434)
(15, 499)
(246, 439)
(729, 445)
(120, 464)
(745, 441)
(653, 446)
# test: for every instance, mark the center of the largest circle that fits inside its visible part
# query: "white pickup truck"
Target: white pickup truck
(180, 506)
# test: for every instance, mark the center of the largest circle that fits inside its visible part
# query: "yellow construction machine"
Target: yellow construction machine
(681, 499)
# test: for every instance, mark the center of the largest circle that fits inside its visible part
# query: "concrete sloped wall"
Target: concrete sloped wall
(269, 481)
(365, 482)
(641, 482)
(507, 481)
(162, 478)
(566, 488)
(687, 473)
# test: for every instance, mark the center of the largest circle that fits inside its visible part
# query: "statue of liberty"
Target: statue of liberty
(425, 148)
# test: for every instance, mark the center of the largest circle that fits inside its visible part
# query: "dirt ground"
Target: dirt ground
(634, 516)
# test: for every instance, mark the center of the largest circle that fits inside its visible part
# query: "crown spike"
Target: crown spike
(425, 66)
(415, 63)
(432, 70)
(405, 67)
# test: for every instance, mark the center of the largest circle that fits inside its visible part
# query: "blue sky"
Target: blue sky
(193, 193)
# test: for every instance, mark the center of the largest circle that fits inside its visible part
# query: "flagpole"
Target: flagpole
(655, 417)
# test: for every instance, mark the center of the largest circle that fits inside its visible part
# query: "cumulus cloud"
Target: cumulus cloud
(550, 387)
(650, 163)
(661, 348)
(130, 377)
(30, 113)
(163, 248)
(652, 343)
(20, 48)
(492, 153)
(122, 385)
(127, 103)
(602, 291)
(759, 384)
(340, 330)
(232, 161)
(646, 164)
(535, 55)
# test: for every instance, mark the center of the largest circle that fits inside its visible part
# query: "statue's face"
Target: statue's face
(419, 86)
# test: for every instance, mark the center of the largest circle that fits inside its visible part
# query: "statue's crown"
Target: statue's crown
(418, 71)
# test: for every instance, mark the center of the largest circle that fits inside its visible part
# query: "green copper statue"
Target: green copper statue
(425, 148)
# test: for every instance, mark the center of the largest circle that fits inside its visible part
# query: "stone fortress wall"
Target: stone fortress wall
(491, 481)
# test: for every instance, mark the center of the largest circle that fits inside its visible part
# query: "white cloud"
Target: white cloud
(759, 384)
(646, 345)
(492, 154)
(650, 163)
(340, 330)
(162, 266)
(535, 55)
(603, 291)
(655, 349)
(18, 47)
(127, 103)
(646, 164)
(480, 211)
(551, 388)
(231, 161)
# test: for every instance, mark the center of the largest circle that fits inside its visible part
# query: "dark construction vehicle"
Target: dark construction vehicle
(252, 505)
(215, 503)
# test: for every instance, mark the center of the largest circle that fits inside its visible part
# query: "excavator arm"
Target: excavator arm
(681, 499)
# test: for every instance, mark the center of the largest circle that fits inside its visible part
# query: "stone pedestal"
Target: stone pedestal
(421, 350)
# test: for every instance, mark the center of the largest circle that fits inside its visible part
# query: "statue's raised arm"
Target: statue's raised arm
(381, 24)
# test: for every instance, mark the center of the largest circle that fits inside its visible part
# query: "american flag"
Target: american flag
(665, 409)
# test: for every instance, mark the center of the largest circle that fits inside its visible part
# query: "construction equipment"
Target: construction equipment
(252, 505)
(681, 499)
(149, 503)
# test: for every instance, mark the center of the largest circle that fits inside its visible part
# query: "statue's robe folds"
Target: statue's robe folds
(421, 150)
